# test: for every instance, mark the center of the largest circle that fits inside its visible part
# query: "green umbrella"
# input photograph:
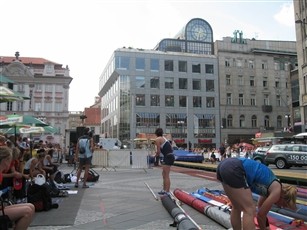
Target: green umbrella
(7, 95)
(16, 121)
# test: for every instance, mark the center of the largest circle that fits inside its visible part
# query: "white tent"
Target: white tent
(301, 135)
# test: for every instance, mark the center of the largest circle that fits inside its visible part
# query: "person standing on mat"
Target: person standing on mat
(240, 178)
(164, 147)
(84, 158)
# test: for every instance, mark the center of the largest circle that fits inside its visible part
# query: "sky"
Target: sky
(83, 34)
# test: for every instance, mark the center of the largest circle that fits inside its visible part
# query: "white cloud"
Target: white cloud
(286, 15)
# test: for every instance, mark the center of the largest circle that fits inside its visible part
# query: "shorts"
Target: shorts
(231, 172)
(169, 159)
(85, 161)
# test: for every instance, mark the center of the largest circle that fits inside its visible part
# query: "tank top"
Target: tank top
(166, 147)
(258, 176)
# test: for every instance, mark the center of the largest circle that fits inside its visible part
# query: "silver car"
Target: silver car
(287, 155)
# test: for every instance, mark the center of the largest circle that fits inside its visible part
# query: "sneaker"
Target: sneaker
(76, 185)
(85, 186)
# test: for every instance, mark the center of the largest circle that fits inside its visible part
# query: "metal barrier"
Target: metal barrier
(113, 158)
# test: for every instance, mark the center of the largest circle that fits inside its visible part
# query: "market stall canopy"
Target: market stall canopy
(301, 135)
(5, 80)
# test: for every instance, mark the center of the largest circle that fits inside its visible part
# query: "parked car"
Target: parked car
(287, 155)
(260, 153)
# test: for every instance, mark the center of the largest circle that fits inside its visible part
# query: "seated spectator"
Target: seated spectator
(48, 165)
(20, 214)
(213, 157)
(34, 166)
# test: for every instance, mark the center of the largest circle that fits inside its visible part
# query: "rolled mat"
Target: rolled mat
(182, 220)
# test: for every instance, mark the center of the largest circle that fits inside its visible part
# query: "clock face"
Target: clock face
(199, 32)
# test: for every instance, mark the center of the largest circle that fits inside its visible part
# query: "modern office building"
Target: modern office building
(174, 86)
(46, 83)
(254, 86)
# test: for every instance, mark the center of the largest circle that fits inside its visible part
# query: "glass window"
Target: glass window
(239, 63)
(265, 83)
(140, 82)
(266, 100)
(140, 63)
(279, 121)
(154, 64)
(183, 83)
(195, 68)
(253, 100)
(227, 63)
(168, 65)
(140, 99)
(277, 84)
(267, 121)
(197, 102)
(210, 102)
(229, 100)
(155, 100)
(252, 81)
(169, 83)
(122, 62)
(169, 101)
(182, 101)
(154, 82)
(240, 80)
(254, 121)
(228, 82)
(183, 66)
(209, 68)
(241, 99)
(210, 85)
(196, 84)
(278, 100)
(251, 64)
(242, 121)
(229, 121)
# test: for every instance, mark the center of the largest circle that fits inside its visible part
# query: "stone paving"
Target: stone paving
(121, 200)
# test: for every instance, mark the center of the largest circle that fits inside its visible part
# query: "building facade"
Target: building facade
(174, 87)
(300, 13)
(47, 85)
(254, 86)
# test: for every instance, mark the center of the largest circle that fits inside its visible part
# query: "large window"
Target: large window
(242, 121)
(229, 121)
(182, 101)
(140, 100)
(140, 82)
(197, 102)
(169, 83)
(195, 68)
(196, 84)
(241, 99)
(155, 100)
(122, 62)
(182, 65)
(254, 121)
(210, 102)
(209, 85)
(140, 63)
(169, 65)
(154, 64)
(169, 101)
(228, 81)
(228, 99)
(154, 83)
(183, 83)
(209, 68)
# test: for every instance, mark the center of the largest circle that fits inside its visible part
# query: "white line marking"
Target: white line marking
(205, 176)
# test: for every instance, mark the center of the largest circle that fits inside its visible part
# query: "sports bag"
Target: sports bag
(93, 176)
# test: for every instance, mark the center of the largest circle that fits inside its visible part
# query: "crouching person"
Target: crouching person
(20, 214)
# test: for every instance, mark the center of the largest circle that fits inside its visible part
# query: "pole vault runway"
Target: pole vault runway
(195, 172)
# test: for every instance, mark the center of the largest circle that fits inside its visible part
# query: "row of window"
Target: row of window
(250, 64)
(252, 82)
(122, 62)
(254, 121)
(252, 100)
(169, 83)
(169, 101)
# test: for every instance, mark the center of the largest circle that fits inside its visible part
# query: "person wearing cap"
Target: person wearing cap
(20, 214)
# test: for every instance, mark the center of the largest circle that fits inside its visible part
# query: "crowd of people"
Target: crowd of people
(20, 163)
